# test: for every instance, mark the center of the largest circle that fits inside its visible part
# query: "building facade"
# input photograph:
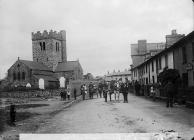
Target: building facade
(143, 51)
(49, 63)
(179, 56)
(120, 75)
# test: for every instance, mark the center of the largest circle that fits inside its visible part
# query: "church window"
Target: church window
(57, 46)
(23, 75)
(42, 46)
(47, 59)
(37, 59)
(14, 76)
(19, 76)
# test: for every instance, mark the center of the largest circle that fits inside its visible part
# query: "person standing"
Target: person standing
(82, 91)
(75, 92)
(105, 90)
(170, 89)
(68, 92)
(100, 89)
(123, 90)
(90, 90)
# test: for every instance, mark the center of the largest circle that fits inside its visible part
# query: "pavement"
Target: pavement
(33, 113)
(139, 115)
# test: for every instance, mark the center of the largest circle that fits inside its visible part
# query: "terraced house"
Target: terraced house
(148, 71)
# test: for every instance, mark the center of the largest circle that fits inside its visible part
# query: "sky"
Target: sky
(99, 32)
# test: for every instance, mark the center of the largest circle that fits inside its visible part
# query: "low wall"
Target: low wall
(76, 84)
(30, 93)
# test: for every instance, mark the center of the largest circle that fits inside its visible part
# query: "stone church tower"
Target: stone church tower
(49, 48)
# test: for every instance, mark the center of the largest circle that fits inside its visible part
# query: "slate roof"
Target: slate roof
(176, 44)
(67, 66)
(35, 65)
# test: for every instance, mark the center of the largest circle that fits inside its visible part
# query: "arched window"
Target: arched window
(57, 46)
(14, 76)
(19, 76)
(23, 76)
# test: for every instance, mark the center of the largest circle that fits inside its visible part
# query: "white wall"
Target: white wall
(170, 60)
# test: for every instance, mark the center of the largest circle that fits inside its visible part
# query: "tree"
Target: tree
(169, 74)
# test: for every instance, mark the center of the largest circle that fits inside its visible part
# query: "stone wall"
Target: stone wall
(30, 94)
(51, 55)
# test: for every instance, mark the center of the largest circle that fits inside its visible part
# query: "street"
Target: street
(140, 115)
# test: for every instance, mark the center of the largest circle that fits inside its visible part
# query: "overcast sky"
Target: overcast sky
(99, 32)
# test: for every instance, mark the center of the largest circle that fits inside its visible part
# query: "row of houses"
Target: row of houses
(120, 75)
(177, 54)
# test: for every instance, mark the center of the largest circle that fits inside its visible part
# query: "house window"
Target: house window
(37, 59)
(18, 76)
(23, 75)
(160, 64)
(193, 50)
(146, 80)
(152, 66)
(166, 60)
(184, 55)
(47, 59)
(153, 79)
(14, 76)
(44, 44)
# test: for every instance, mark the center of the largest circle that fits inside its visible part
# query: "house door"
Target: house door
(62, 82)
(41, 83)
(185, 79)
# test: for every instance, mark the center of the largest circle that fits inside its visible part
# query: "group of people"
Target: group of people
(106, 89)
(92, 89)
(116, 88)
(169, 90)
(65, 93)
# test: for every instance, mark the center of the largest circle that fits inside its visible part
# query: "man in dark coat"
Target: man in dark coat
(105, 90)
(170, 92)
(91, 90)
(75, 92)
(82, 92)
(124, 90)
(100, 89)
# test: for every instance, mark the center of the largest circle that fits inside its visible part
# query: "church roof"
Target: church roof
(35, 65)
(67, 66)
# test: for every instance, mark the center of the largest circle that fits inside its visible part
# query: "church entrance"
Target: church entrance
(62, 82)
(41, 83)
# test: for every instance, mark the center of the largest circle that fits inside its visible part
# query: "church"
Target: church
(49, 68)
